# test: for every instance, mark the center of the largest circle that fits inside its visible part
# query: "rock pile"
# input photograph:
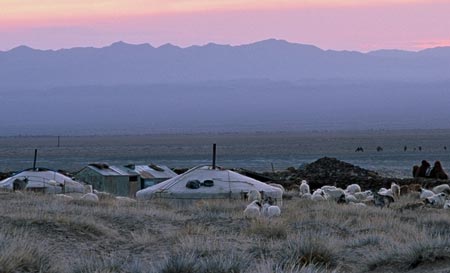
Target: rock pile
(327, 167)
(331, 171)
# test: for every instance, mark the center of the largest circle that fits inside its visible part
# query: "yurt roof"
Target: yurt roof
(227, 184)
(41, 178)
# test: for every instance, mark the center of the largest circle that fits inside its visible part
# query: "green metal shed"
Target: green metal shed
(117, 180)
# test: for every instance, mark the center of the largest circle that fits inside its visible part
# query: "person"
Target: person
(405, 148)
(437, 171)
(423, 170)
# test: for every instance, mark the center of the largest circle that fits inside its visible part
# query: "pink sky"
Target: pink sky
(330, 24)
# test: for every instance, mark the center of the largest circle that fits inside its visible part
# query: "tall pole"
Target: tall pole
(214, 157)
(35, 158)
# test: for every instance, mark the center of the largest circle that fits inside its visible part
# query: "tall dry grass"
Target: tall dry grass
(40, 233)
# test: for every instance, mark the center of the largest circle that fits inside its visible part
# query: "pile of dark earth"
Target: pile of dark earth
(331, 171)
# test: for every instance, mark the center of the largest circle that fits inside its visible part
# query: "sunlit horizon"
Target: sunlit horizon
(328, 24)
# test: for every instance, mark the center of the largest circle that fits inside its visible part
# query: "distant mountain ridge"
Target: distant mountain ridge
(122, 63)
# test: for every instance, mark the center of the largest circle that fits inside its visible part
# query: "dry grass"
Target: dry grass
(44, 234)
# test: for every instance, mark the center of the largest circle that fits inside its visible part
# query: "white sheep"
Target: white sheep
(253, 210)
(270, 210)
(353, 188)
(395, 189)
(63, 196)
(442, 188)
(386, 192)
(327, 187)
(437, 200)
(304, 188)
(319, 195)
(447, 204)
(357, 204)
(363, 195)
(306, 196)
(350, 198)
(103, 195)
(334, 194)
(424, 194)
(253, 195)
(91, 197)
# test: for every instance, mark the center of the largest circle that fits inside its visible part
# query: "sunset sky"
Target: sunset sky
(362, 25)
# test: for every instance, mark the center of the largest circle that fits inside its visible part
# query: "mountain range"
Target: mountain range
(122, 63)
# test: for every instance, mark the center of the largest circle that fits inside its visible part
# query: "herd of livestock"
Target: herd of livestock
(437, 197)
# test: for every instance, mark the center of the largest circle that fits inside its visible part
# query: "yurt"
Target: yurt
(206, 182)
(42, 180)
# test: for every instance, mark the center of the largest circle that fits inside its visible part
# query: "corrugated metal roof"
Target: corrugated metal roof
(113, 171)
(148, 172)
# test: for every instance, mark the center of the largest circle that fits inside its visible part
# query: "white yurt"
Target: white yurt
(42, 180)
(206, 182)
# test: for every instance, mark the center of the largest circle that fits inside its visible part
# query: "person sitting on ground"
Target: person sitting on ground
(437, 171)
(423, 170)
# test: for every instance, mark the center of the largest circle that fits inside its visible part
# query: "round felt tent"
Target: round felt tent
(43, 180)
(205, 182)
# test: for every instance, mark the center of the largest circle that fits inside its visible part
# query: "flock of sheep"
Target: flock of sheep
(95, 196)
(437, 197)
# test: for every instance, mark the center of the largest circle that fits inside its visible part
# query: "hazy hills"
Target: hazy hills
(122, 63)
(270, 85)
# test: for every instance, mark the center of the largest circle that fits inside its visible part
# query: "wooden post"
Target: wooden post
(214, 157)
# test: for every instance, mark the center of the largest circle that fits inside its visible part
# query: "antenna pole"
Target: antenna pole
(214, 157)
(35, 158)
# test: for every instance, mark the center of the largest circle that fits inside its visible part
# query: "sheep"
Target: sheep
(353, 188)
(253, 210)
(357, 204)
(319, 195)
(447, 204)
(395, 189)
(349, 198)
(253, 195)
(363, 195)
(63, 196)
(304, 188)
(404, 190)
(306, 196)
(102, 195)
(327, 187)
(270, 211)
(414, 187)
(437, 200)
(335, 193)
(424, 194)
(386, 192)
(91, 197)
(442, 188)
(381, 200)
